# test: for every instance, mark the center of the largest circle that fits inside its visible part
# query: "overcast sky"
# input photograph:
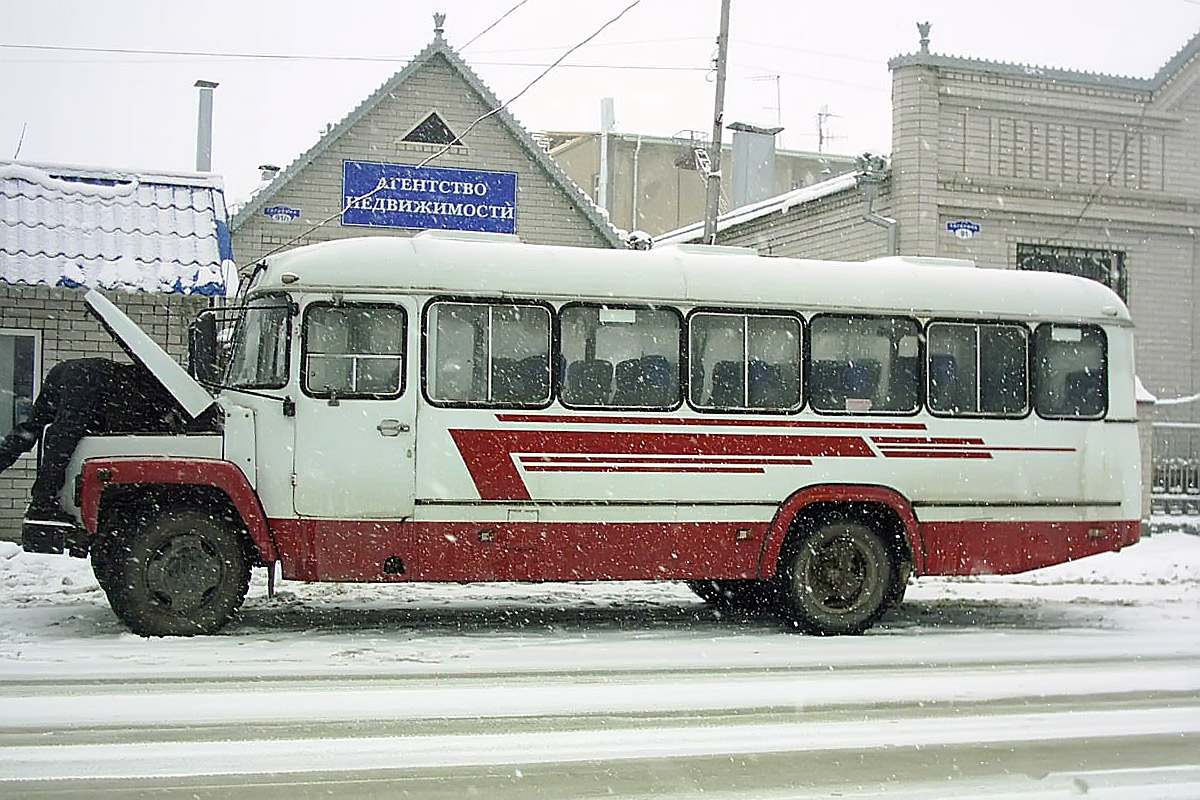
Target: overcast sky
(789, 59)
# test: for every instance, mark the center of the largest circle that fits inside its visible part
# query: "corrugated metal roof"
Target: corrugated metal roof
(69, 227)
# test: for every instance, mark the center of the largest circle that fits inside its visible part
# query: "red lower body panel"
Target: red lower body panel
(334, 550)
(337, 550)
(1002, 548)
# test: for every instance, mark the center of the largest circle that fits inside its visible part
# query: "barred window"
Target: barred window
(1103, 266)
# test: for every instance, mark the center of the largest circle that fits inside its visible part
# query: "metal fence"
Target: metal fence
(1175, 469)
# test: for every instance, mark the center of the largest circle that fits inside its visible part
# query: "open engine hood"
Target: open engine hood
(193, 397)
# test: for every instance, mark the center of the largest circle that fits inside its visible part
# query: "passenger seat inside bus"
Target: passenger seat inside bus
(523, 380)
(727, 388)
(589, 382)
(770, 387)
(646, 381)
(1084, 393)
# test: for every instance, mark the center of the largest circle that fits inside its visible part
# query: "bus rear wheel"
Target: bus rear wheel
(837, 579)
(181, 572)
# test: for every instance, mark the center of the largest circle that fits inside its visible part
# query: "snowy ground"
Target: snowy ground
(1081, 678)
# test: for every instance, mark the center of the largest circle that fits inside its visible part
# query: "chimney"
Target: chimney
(753, 164)
(204, 127)
(267, 172)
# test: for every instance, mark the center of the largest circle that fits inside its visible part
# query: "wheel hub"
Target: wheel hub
(183, 573)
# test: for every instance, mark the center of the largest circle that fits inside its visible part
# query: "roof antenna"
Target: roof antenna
(20, 141)
(439, 22)
(923, 29)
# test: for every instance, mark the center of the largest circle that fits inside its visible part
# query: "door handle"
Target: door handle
(391, 427)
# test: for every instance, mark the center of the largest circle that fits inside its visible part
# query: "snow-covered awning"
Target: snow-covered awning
(74, 227)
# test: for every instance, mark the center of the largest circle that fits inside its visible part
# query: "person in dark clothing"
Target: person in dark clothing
(78, 398)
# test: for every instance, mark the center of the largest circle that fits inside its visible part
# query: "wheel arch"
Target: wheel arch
(883, 508)
(110, 484)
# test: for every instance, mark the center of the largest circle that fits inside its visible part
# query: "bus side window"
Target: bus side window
(863, 364)
(745, 361)
(495, 354)
(1070, 378)
(978, 369)
(620, 356)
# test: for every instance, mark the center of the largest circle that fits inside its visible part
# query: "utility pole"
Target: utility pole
(713, 195)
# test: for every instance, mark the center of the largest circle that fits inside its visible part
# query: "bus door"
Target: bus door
(355, 415)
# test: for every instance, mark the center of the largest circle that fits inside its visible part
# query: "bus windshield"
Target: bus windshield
(259, 357)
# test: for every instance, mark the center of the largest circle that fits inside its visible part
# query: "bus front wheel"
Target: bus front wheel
(837, 579)
(181, 572)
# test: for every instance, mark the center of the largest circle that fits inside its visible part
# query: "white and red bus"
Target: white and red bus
(454, 407)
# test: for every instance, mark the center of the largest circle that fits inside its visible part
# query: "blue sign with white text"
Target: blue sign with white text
(403, 196)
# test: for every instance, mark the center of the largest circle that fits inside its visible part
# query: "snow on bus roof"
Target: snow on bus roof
(720, 276)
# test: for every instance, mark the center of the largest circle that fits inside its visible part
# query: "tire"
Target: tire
(899, 587)
(837, 580)
(742, 595)
(180, 572)
(102, 553)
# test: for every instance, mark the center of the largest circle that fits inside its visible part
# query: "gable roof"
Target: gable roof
(438, 48)
(1169, 70)
(71, 227)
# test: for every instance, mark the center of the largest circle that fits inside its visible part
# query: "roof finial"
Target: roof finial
(923, 29)
(439, 20)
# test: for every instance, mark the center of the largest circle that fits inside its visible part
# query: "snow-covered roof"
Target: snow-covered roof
(1188, 52)
(71, 227)
(780, 204)
(438, 48)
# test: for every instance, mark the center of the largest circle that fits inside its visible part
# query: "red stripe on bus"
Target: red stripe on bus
(699, 468)
(650, 457)
(489, 454)
(315, 550)
(935, 453)
(921, 440)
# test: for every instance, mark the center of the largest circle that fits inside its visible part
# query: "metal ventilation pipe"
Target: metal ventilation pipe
(874, 170)
(204, 127)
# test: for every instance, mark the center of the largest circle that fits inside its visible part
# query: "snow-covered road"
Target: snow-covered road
(1080, 678)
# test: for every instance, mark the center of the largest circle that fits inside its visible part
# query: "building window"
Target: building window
(19, 358)
(1103, 266)
(431, 130)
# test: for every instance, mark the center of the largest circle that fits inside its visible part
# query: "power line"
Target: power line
(502, 17)
(286, 57)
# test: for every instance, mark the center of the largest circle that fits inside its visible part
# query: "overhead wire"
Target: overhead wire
(500, 19)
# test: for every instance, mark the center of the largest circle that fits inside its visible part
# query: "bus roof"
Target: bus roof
(438, 263)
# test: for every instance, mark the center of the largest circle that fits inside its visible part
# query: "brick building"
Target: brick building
(1022, 167)
(156, 244)
(367, 175)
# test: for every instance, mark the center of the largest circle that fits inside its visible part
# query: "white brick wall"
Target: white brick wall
(68, 330)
